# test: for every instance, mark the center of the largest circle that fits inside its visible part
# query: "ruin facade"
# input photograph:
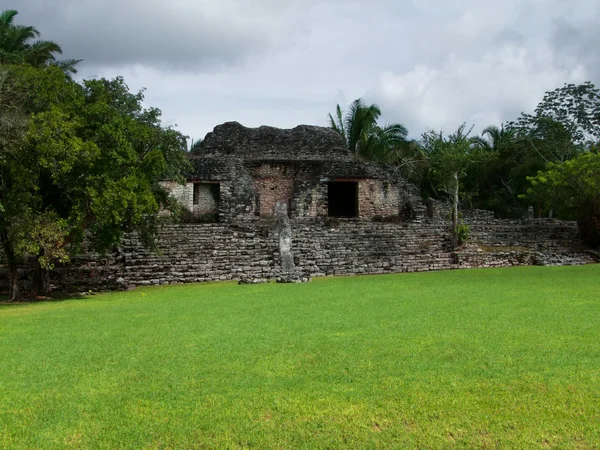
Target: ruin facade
(240, 174)
(292, 204)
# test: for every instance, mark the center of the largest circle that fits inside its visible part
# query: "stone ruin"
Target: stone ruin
(287, 205)
(303, 174)
(241, 173)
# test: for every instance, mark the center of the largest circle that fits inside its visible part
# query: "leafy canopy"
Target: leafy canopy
(79, 159)
(574, 187)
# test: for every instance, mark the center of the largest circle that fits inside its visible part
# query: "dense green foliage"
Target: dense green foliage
(75, 159)
(564, 125)
(573, 189)
(78, 158)
(363, 362)
(494, 171)
(450, 158)
(576, 108)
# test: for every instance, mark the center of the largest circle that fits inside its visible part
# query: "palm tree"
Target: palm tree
(17, 46)
(495, 139)
(363, 136)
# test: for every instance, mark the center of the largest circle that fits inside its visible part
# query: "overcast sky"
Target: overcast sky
(426, 63)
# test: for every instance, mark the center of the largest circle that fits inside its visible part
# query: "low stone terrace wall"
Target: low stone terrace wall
(211, 252)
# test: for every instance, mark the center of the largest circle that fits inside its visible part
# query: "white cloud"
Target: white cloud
(487, 91)
(428, 63)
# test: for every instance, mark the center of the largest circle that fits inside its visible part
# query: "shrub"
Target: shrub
(463, 233)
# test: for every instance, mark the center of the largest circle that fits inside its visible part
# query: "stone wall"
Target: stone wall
(377, 198)
(227, 251)
(272, 184)
(302, 185)
(206, 197)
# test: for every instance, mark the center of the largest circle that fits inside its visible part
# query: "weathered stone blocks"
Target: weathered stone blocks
(210, 252)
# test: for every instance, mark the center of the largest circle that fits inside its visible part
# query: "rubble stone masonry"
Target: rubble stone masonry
(230, 251)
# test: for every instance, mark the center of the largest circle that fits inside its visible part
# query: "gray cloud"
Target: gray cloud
(577, 42)
(498, 61)
(427, 63)
(161, 33)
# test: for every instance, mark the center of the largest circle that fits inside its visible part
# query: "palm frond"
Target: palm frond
(46, 46)
(364, 137)
(360, 123)
(17, 46)
(41, 53)
(17, 37)
(7, 17)
(481, 142)
(337, 123)
(492, 131)
(351, 124)
(67, 65)
(395, 131)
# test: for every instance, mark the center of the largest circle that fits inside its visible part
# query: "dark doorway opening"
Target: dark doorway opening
(342, 197)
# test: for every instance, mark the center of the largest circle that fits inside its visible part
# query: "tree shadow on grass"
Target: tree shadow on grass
(49, 299)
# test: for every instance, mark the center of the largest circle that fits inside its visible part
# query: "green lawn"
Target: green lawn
(505, 358)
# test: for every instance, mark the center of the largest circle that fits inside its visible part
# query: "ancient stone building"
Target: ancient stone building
(240, 174)
(334, 215)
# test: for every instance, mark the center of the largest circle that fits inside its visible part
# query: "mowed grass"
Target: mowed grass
(505, 358)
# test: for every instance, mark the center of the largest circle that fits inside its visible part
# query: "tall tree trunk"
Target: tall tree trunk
(13, 283)
(41, 279)
(13, 273)
(455, 210)
(11, 260)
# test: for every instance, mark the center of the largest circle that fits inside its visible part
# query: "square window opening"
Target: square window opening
(342, 199)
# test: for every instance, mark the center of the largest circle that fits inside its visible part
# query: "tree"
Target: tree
(362, 134)
(542, 140)
(495, 139)
(564, 124)
(490, 181)
(87, 160)
(449, 161)
(575, 107)
(31, 102)
(17, 46)
(13, 127)
(574, 187)
(196, 146)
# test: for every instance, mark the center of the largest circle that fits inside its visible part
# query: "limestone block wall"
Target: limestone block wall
(281, 183)
(309, 200)
(184, 193)
(197, 195)
(251, 191)
(377, 198)
(358, 247)
(203, 252)
(273, 190)
(230, 251)
(206, 197)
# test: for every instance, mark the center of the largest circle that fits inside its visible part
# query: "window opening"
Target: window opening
(342, 199)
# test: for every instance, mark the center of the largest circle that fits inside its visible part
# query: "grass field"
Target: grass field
(506, 358)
